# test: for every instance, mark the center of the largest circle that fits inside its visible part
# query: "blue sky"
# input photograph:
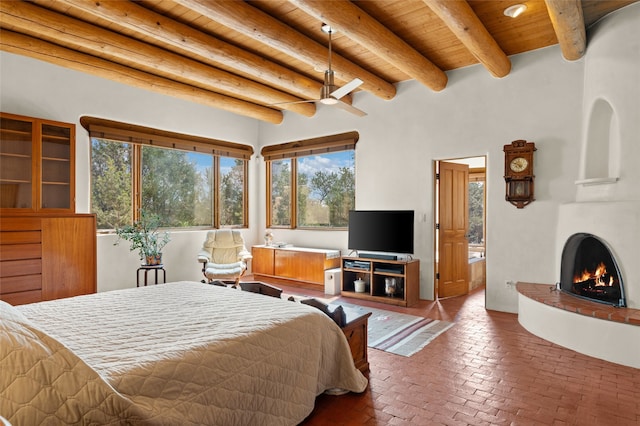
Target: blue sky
(307, 165)
(332, 161)
(203, 161)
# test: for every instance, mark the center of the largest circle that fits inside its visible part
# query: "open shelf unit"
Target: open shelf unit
(374, 272)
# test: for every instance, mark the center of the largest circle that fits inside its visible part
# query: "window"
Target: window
(280, 197)
(200, 186)
(312, 181)
(232, 191)
(326, 189)
(476, 210)
(111, 177)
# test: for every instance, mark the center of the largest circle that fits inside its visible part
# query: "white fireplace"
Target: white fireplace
(607, 201)
(615, 222)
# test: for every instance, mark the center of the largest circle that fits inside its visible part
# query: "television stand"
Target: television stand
(375, 272)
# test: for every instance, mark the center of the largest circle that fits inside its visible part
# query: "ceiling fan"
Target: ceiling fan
(330, 94)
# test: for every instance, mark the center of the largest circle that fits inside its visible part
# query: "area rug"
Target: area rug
(397, 333)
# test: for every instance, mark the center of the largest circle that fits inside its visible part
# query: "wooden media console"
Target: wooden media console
(293, 265)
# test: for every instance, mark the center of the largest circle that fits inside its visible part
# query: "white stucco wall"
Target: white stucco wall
(612, 75)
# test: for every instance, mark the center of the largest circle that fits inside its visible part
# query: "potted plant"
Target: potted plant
(144, 236)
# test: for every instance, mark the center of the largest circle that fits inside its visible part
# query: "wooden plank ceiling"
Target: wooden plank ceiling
(258, 58)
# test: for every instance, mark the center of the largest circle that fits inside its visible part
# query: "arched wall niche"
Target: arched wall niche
(602, 150)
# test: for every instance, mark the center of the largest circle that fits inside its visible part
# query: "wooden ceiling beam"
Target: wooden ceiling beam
(360, 27)
(42, 23)
(252, 22)
(458, 16)
(567, 19)
(24, 45)
(187, 40)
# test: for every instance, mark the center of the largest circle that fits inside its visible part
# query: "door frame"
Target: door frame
(472, 161)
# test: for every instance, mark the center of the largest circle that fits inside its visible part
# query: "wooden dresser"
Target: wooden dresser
(45, 258)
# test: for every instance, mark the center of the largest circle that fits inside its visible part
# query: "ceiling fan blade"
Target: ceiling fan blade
(350, 108)
(350, 86)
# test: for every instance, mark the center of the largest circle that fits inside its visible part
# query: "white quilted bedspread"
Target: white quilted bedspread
(176, 354)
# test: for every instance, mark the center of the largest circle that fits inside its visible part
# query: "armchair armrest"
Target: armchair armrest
(244, 255)
(204, 256)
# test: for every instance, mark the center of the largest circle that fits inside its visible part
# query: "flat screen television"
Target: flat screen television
(389, 231)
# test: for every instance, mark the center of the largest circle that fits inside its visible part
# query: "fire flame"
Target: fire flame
(597, 276)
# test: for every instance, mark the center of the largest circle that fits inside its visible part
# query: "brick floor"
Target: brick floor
(486, 370)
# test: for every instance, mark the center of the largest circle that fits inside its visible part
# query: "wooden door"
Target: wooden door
(453, 213)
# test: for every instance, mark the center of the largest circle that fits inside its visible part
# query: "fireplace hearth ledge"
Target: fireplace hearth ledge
(590, 328)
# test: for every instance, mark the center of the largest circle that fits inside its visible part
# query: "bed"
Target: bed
(179, 353)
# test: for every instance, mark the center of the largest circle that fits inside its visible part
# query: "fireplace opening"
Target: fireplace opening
(588, 269)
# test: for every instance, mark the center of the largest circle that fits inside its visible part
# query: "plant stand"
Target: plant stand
(155, 268)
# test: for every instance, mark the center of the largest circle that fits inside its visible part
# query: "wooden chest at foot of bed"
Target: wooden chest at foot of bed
(356, 332)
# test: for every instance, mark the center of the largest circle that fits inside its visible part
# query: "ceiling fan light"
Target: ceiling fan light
(329, 101)
(515, 10)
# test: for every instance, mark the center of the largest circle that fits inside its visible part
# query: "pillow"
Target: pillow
(337, 315)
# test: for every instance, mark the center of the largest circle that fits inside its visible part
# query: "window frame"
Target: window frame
(293, 150)
(139, 136)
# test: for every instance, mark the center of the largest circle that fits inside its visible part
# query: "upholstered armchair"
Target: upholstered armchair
(224, 256)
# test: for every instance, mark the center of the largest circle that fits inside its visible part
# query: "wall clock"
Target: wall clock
(518, 172)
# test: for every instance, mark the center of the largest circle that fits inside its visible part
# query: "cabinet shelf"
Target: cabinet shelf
(65, 160)
(56, 183)
(14, 181)
(55, 138)
(354, 270)
(405, 274)
(11, 132)
(389, 274)
(15, 155)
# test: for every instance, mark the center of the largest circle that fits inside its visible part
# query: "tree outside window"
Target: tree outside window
(324, 189)
(176, 185)
(476, 213)
(111, 179)
(280, 193)
(169, 185)
(232, 193)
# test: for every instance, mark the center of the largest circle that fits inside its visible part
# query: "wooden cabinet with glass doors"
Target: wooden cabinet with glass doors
(36, 165)
(47, 251)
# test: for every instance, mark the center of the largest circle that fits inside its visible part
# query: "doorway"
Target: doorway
(460, 223)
